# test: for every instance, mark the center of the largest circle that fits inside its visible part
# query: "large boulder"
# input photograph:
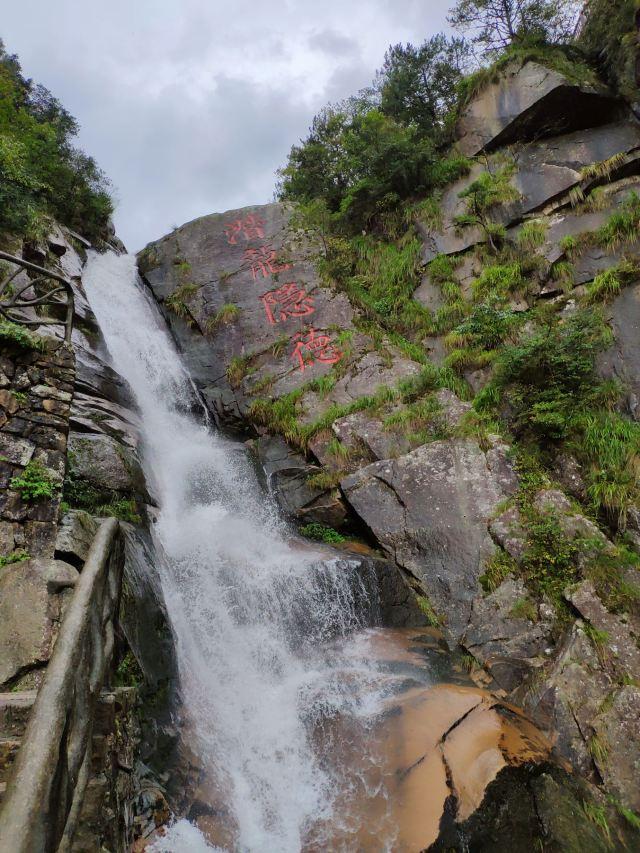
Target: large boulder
(507, 634)
(32, 595)
(250, 295)
(544, 173)
(528, 102)
(105, 464)
(429, 509)
(255, 320)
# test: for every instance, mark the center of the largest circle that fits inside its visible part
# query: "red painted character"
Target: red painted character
(251, 228)
(290, 300)
(264, 262)
(317, 347)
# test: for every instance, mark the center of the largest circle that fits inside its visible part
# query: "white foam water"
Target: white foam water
(257, 618)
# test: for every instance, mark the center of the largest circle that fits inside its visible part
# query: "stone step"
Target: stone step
(14, 712)
(8, 750)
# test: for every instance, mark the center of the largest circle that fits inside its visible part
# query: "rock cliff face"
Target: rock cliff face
(283, 357)
(64, 410)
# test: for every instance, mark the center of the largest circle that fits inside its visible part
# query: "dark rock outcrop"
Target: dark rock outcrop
(287, 475)
(529, 102)
(526, 805)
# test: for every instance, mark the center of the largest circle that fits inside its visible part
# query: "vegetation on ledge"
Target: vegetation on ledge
(42, 175)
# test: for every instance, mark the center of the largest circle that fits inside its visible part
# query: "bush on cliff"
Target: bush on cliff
(41, 173)
(545, 379)
(609, 37)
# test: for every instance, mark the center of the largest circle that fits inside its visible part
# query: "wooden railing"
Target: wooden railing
(13, 303)
(40, 810)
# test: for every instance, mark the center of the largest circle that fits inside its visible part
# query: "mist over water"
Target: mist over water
(271, 637)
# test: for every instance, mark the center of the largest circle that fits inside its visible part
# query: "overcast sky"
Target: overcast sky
(190, 106)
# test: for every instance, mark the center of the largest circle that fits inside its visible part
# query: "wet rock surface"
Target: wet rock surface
(417, 505)
(506, 635)
(288, 478)
(542, 804)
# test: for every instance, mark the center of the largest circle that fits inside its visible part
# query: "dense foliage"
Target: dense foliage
(365, 156)
(41, 173)
(363, 163)
(609, 37)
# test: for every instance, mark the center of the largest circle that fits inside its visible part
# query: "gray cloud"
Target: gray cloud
(190, 108)
(334, 44)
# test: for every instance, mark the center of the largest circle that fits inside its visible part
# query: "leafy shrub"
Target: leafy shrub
(128, 672)
(321, 533)
(485, 328)
(34, 484)
(13, 333)
(488, 191)
(548, 378)
(125, 510)
(17, 557)
(550, 561)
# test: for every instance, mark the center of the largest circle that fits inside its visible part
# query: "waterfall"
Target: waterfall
(259, 618)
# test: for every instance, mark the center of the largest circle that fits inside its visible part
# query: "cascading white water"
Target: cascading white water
(256, 617)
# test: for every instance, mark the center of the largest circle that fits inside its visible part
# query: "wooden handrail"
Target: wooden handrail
(44, 795)
(15, 303)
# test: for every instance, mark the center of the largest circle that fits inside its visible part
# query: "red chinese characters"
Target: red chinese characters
(311, 346)
(264, 262)
(249, 228)
(287, 301)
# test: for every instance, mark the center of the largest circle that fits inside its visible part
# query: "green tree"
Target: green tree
(496, 24)
(41, 172)
(360, 161)
(418, 84)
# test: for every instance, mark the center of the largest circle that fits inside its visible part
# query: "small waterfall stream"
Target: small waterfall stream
(260, 620)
